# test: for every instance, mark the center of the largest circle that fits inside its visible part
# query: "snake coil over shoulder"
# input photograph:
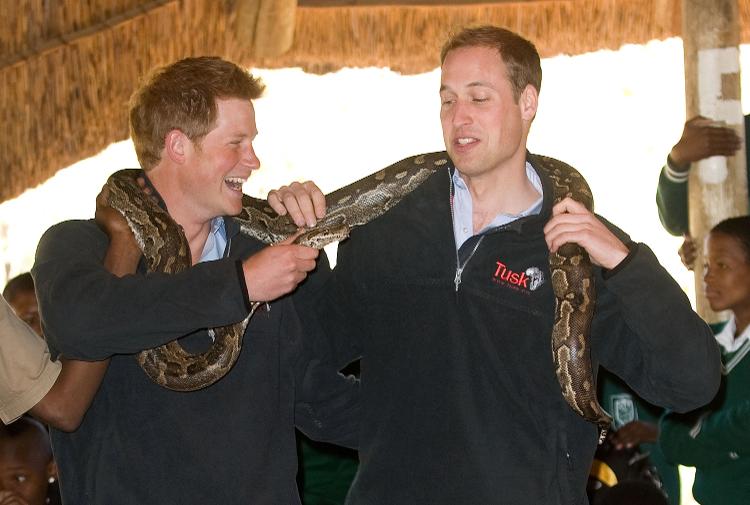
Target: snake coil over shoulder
(575, 299)
(166, 250)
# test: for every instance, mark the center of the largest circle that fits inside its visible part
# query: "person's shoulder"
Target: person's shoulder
(616, 230)
(77, 226)
(73, 230)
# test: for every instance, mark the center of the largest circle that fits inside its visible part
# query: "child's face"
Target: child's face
(25, 306)
(24, 469)
(727, 274)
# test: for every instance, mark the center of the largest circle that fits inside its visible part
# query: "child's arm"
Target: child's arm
(67, 401)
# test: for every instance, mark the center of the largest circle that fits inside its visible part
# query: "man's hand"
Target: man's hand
(304, 202)
(572, 222)
(277, 270)
(688, 252)
(702, 138)
(123, 253)
(110, 220)
(635, 433)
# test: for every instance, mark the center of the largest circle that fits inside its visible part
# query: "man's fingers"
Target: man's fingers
(304, 202)
(274, 200)
(318, 198)
(295, 201)
(566, 233)
(298, 251)
(291, 238)
(569, 205)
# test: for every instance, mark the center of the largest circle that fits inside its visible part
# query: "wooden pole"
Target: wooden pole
(717, 187)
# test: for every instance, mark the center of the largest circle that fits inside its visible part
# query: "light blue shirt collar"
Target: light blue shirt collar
(216, 242)
(463, 208)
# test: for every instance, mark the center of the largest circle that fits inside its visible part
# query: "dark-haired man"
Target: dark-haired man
(447, 300)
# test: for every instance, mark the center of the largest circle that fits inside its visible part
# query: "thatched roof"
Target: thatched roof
(67, 67)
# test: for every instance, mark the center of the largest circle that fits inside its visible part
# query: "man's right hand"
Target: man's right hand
(702, 138)
(277, 270)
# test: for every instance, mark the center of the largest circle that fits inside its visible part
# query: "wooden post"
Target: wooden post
(717, 185)
(267, 24)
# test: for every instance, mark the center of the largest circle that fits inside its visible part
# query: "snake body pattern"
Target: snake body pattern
(165, 249)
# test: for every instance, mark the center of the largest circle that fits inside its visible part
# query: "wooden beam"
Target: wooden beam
(377, 3)
(56, 43)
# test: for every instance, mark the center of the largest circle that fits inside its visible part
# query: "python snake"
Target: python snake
(165, 249)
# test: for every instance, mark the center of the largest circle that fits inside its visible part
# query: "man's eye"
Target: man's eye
(481, 99)
(21, 478)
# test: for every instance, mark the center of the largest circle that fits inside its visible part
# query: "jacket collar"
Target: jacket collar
(533, 224)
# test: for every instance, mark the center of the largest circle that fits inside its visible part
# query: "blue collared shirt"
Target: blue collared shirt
(216, 241)
(463, 226)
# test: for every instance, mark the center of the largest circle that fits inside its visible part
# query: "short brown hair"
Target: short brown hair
(519, 55)
(183, 96)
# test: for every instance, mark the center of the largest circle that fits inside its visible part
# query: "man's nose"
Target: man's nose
(250, 158)
(461, 113)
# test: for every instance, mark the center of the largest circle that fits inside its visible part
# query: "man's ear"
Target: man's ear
(528, 101)
(176, 145)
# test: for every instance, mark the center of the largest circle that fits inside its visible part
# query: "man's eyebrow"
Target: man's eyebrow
(479, 83)
(483, 84)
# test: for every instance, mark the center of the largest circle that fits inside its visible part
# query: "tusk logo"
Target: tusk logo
(527, 281)
(536, 278)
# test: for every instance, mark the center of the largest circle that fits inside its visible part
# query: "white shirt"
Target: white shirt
(463, 225)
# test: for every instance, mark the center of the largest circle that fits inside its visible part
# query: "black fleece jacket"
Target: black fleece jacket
(230, 443)
(460, 401)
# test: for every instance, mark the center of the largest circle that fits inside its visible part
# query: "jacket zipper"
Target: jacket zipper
(459, 266)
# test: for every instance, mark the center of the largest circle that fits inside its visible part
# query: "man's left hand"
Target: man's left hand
(304, 202)
(572, 222)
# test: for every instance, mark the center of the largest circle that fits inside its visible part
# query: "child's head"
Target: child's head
(20, 295)
(26, 463)
(726, 276)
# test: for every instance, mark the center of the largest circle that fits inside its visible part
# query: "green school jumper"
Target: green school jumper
(716, 440)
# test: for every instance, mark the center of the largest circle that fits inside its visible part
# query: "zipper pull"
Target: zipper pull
(457, 278)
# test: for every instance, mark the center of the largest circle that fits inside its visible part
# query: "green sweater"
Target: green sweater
(716, 439)
(625, 406)
(672, 195)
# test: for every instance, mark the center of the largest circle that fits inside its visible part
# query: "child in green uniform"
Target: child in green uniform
(635, 423)
(716, 439)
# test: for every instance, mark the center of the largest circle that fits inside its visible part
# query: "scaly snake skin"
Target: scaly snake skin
(575, 299)
(166, 250)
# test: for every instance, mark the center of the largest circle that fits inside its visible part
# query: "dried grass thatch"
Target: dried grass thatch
(408, 38)
(67, 67)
